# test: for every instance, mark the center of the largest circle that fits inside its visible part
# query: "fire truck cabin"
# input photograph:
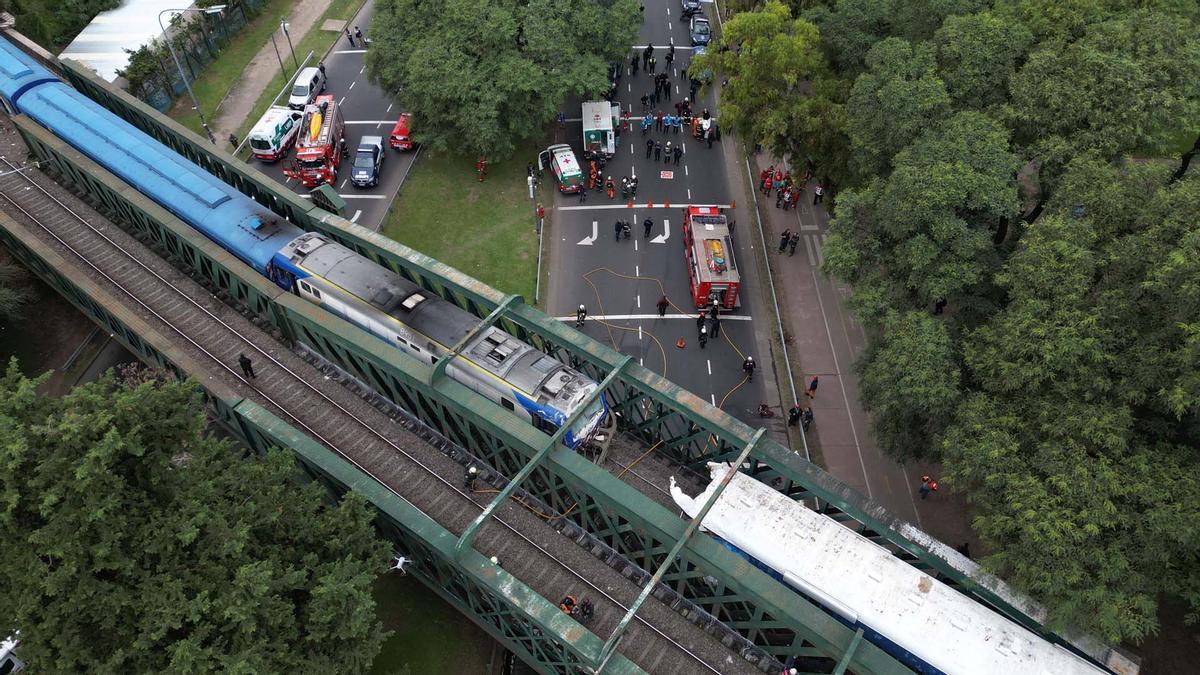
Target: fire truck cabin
(711, 264)
(320, 148)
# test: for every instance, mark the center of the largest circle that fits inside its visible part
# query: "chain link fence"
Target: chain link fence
(198, 39)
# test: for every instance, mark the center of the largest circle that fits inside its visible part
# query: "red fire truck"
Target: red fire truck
(322, 144)
(709, 250)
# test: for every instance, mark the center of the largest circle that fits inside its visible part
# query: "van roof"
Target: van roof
(306, 74)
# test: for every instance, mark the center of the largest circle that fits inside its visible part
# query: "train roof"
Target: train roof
(385, 290)
(864, 582)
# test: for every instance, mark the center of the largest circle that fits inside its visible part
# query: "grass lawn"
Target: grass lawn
(483, 229)
(220, 75)
(430, 636)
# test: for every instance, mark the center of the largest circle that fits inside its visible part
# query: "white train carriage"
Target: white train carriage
(925, 623)
(502, 368)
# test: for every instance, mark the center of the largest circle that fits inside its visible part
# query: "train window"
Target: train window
(309, 289)
(416, 348)
(433, 359)
(401, 340)
(507, 403)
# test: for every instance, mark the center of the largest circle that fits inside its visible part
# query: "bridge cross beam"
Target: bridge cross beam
(439, 368)
(610, 646)
(468, 535)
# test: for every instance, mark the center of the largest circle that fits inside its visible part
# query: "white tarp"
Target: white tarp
(101, 46)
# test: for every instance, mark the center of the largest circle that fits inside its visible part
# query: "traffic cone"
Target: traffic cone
(680, 343)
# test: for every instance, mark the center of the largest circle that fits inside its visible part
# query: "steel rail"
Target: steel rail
(599, 591)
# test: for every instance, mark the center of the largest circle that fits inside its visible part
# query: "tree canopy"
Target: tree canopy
(1027, 162)
(480, 76)
(132, 541)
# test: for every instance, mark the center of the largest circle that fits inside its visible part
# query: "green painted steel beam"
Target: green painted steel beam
(610, 645)
(680, 404)
(555, 441)
(439, 368)
(844, 663)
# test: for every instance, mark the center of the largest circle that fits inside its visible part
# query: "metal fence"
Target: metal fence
(198, 39)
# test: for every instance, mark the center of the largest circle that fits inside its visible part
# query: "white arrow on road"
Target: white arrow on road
(588, 241)
(662, 238)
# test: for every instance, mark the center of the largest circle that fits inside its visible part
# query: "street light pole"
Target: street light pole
(284, 26)
(277, 56)
(215, 9)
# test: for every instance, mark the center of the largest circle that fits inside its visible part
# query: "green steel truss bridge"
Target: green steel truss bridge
(360, 416)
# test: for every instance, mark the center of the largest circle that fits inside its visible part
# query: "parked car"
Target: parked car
(309, 83)
(401, 137)
(690, 7)
(700, 30)
(368, 162)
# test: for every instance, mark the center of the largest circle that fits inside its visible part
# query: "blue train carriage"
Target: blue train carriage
(502, 368)
(924, 623)
(495, 364)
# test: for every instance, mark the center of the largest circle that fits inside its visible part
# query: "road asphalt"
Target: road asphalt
(621, 281)
(368, 111)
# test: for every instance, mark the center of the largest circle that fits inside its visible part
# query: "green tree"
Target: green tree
(779, 92)
(132, 541)
(927, 231)
(482, 75)
(977, 54)
(898, 97)
(1084, 508)
(14, 293)
(850, 28)
(910, 383)
(1127, 85)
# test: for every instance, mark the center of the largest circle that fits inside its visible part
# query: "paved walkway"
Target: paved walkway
(825, 340)
(239, 101)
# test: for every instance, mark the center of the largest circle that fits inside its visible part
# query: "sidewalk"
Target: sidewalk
(239, 101)
(825, 340)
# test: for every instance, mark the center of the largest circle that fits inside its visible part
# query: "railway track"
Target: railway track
(659, 640)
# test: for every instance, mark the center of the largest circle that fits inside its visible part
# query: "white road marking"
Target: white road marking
(668, 11)
(670, 26)
(631, 148)
(343, 183)
(351, 51)
(369, 122)
(842, 382)
(709, 363)
(638, 317)
(356, 215)
(637, 271)
(629, 87)
(352, 85)
(689, 193)
(389, 108)
(635, 246)
(676, 90)
(820, 250)
(713, 398)
(676, 75)
(342, 99)
(588, 241)
(349, 196)
(662, 238)
(360, 70)
(808, 247)
(659, 205)
(685, 172)
(639, 303)
(639, 332)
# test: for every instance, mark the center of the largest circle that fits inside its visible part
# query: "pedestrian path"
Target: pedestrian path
(237, 105)
(825, 341)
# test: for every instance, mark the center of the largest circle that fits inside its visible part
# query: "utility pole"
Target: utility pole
(283, 25)
(215, 9)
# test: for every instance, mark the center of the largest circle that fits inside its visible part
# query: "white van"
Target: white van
(309, 83)
(275, 133)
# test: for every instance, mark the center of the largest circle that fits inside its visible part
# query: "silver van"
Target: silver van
(309, 83)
